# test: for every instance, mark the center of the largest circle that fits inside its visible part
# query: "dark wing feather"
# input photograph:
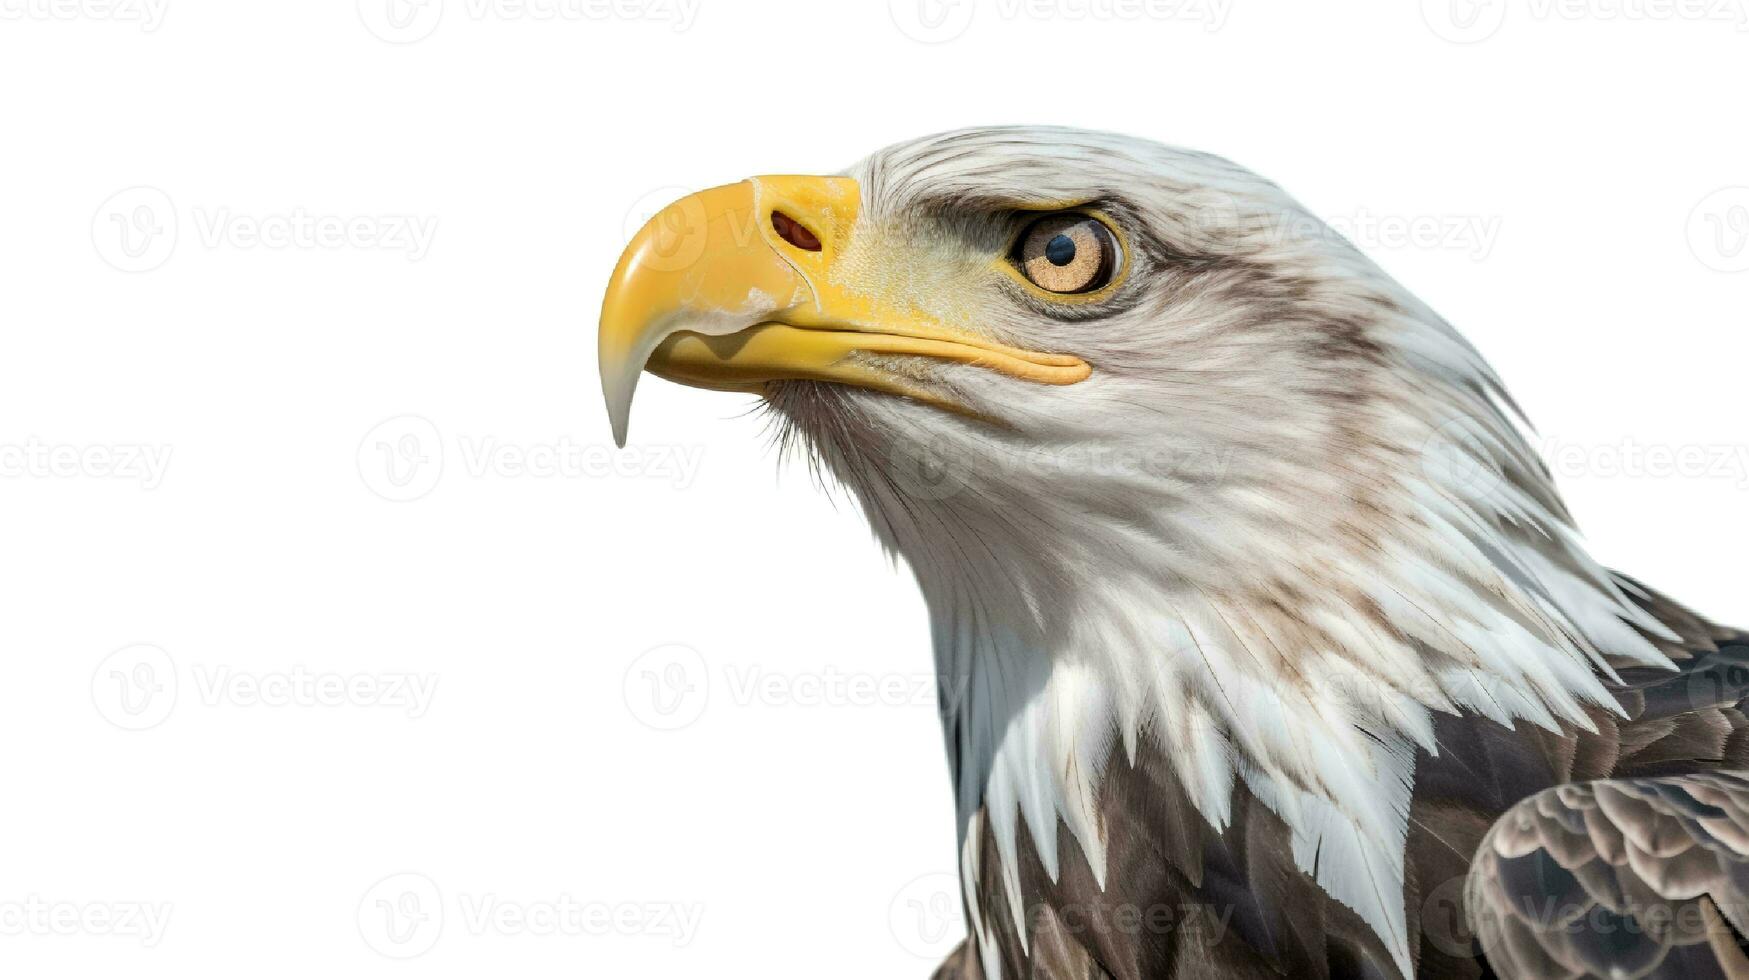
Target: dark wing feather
(1645, 874)
(1618, 878)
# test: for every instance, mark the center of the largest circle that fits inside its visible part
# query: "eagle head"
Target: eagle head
(1059, 341)
(1177, 468)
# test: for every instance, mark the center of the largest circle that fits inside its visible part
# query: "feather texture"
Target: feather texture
(1217, 614)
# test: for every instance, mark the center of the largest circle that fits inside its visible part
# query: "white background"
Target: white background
(1567, 173)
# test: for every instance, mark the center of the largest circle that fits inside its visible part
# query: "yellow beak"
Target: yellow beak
(741, 285)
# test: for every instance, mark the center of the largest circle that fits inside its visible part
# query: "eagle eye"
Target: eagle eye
(1068, 253)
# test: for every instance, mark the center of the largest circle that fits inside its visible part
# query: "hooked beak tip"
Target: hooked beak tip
(617, 388)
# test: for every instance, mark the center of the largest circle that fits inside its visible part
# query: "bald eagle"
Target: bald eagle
(1266, 645)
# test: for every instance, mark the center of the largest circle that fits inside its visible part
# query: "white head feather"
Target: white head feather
(1289, 516)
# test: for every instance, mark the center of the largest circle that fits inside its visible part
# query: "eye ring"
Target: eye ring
(1068, 253)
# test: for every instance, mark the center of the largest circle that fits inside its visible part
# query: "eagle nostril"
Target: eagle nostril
(794, 232)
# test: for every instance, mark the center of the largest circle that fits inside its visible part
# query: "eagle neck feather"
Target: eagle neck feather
(1283, 653)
